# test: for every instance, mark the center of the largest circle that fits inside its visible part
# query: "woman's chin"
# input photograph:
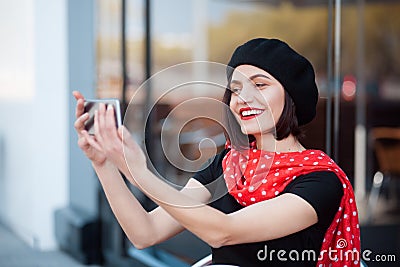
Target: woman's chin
(255, 130)
(251, 131)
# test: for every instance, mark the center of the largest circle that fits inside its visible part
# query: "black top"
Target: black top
(323, 190)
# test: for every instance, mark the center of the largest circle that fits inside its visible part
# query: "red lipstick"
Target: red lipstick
(249, 113)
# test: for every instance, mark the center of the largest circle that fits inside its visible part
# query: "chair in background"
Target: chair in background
(386, 144)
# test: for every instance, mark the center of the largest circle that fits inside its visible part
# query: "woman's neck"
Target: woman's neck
(267, 142)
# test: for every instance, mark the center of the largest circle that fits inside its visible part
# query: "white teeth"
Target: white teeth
(251, 112)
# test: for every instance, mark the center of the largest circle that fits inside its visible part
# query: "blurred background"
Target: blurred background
(50, 198)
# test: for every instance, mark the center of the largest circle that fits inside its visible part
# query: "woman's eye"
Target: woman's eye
(236, 90)
(259, 85)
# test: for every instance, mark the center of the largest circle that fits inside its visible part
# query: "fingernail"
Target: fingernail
(109, 107)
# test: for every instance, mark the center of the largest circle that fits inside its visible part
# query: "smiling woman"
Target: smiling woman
(259, 98)
(280, 195)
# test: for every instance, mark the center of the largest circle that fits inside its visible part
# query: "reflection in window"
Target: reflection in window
(109, 64)
(382, 47)
(305, 29)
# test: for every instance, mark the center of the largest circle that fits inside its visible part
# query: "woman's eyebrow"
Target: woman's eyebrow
(251, 78)
(259, 75)
(236, 82)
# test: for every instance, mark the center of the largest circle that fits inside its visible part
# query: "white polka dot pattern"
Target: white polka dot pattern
(266, 176)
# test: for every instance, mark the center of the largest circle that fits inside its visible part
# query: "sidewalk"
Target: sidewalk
(15, 253)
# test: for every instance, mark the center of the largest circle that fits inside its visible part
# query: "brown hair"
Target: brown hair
(286, 125)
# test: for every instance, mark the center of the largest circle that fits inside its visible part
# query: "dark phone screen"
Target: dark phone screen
(92, 105)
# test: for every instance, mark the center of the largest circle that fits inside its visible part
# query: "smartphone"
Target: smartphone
(93, 104)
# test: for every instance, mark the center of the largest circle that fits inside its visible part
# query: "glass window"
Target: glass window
(108, 49)
(370, 88)
(208, 30)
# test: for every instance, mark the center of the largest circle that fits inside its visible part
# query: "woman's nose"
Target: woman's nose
(246, 95)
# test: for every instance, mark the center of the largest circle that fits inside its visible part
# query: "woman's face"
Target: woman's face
(257, 99)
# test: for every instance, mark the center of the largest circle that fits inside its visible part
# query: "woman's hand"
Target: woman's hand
(118, 144)
(86, 142)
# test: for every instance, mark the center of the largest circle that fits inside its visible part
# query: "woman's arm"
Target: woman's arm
(142, 228)
(266, 220)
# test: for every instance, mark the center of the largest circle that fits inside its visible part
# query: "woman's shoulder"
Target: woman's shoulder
(324, 180)
(216, 161)
(212, 168)
(322, 190)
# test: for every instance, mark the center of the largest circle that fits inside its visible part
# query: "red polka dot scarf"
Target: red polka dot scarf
(254, 175)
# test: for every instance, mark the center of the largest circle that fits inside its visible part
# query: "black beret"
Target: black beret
(292, 70)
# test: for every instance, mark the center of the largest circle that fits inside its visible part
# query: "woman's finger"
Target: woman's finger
(111, 130)
(101, 119)
(83, 143)
(80, 102)
(80, 122)
(127, 138)
(91, 140)
(96, 126)
(80, 107)
(78, 95)
(120, 132)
